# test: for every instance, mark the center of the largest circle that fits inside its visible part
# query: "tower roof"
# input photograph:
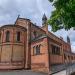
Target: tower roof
(44, 17)
(68, 39)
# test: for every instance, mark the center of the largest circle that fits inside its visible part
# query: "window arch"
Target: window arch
(34, 50)
(7, 36)
(18, 36)
(37, 50)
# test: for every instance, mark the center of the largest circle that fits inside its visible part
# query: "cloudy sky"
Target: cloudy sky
(33, 10)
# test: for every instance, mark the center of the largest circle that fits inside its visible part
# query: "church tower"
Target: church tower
(68, 39)
(44, 20)
(44, 23)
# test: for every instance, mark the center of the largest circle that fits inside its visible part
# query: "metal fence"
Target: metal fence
(69, 67)
(57, 68)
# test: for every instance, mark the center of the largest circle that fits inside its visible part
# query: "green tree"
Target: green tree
(63, 16)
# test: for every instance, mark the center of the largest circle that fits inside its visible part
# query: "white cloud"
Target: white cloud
(73, 48)
(32, 9)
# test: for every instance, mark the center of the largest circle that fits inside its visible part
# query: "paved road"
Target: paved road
(23, 72)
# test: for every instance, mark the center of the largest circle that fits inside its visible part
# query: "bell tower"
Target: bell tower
(44, 20)
(68, 39)
(44, 23)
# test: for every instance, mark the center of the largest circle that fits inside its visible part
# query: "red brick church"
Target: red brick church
(24, 45)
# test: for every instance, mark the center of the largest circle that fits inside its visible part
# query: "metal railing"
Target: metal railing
(68, 67)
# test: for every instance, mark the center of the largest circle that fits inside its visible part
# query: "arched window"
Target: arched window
(34, 50)
(18, 36)
(7, 36)
(37, 50)
(55, 50)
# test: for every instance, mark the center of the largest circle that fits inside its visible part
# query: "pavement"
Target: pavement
(28, 72)
(61, 73)
(21, 72)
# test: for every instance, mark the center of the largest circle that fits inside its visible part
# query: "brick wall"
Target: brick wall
(40, 62)
(55, 58)
(12, 53)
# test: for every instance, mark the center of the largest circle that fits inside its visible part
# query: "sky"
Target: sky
(33, 10)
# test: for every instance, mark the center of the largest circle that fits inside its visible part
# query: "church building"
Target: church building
(24, 45)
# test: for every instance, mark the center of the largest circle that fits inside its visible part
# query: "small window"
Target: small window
(7, 36)
(55, 50)
(37, 50)
(58, 50)
(34, 50)
(18, 36)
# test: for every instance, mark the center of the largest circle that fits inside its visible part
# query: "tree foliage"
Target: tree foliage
(64, 14)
